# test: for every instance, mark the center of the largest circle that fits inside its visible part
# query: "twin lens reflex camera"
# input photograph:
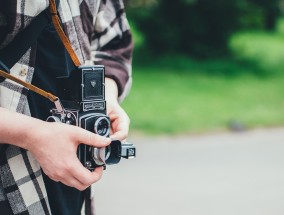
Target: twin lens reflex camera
(83, 102)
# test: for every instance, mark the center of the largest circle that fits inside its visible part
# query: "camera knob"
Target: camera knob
(99, 155)
(53, 119)
(70, 119)
(88, 164)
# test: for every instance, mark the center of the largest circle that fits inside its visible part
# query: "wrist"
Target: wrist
(19, 134)
(111, 90)
(33, 133)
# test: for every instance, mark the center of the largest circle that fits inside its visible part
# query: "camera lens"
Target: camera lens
(102, 126)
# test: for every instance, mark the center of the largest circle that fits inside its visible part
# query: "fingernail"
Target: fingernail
(107, 140)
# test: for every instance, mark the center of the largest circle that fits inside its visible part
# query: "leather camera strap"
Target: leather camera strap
(67, 45)
(31, 87)
(62, 35)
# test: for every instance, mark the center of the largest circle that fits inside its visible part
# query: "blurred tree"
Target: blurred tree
(270, 10)
(200, 28)
(196, 27)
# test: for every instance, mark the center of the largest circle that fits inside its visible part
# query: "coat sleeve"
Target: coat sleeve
(112, 44)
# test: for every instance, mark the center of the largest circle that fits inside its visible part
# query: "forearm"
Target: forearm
(16, 129)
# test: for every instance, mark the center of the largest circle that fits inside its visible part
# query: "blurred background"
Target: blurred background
(203, 65)
(206, 110)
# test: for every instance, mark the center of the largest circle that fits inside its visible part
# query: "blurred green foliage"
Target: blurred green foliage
(203, 65)
(163, 101)
(177, 94)
(200, 28)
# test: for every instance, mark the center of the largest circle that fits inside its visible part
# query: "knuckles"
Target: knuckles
(81, 188)
(53, 176)
(60, 175)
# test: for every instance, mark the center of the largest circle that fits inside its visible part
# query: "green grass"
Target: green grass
(178, 95)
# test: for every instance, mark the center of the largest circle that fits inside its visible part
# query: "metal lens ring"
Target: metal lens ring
(53, 119)
(102, 126)
(99, 155)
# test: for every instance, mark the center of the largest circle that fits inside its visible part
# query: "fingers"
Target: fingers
(120, 133)
(73, 182)
(92, 139)
(120, 127)
(85, 176)
(83, 182)
(58, 155)
(77, 176)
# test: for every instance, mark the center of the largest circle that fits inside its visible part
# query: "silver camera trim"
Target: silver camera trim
(98, 155)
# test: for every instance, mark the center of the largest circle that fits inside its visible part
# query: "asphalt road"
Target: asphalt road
(217, 174)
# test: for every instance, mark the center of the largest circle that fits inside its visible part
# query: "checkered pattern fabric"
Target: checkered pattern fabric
(99, 34)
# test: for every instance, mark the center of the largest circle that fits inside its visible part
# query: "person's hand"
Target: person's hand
(54, 145)
(119, 119)
(55, 149)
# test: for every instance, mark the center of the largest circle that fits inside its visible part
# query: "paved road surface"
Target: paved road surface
(218, 174)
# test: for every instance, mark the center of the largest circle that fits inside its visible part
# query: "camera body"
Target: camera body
(83, 99)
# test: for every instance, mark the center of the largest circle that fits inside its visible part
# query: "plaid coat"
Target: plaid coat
(99, 33)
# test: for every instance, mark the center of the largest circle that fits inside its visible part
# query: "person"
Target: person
(40, 172)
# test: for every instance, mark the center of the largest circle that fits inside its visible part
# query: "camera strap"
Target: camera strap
(61, 34)
(30, 34)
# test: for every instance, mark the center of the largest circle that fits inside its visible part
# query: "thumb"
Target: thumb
(92, 139)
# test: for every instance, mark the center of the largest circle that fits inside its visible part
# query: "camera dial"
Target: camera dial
(99, 156)
(70, 119)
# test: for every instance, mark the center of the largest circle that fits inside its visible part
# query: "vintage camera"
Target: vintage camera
(83, 104)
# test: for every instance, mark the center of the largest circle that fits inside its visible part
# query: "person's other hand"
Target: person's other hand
(119, 119)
